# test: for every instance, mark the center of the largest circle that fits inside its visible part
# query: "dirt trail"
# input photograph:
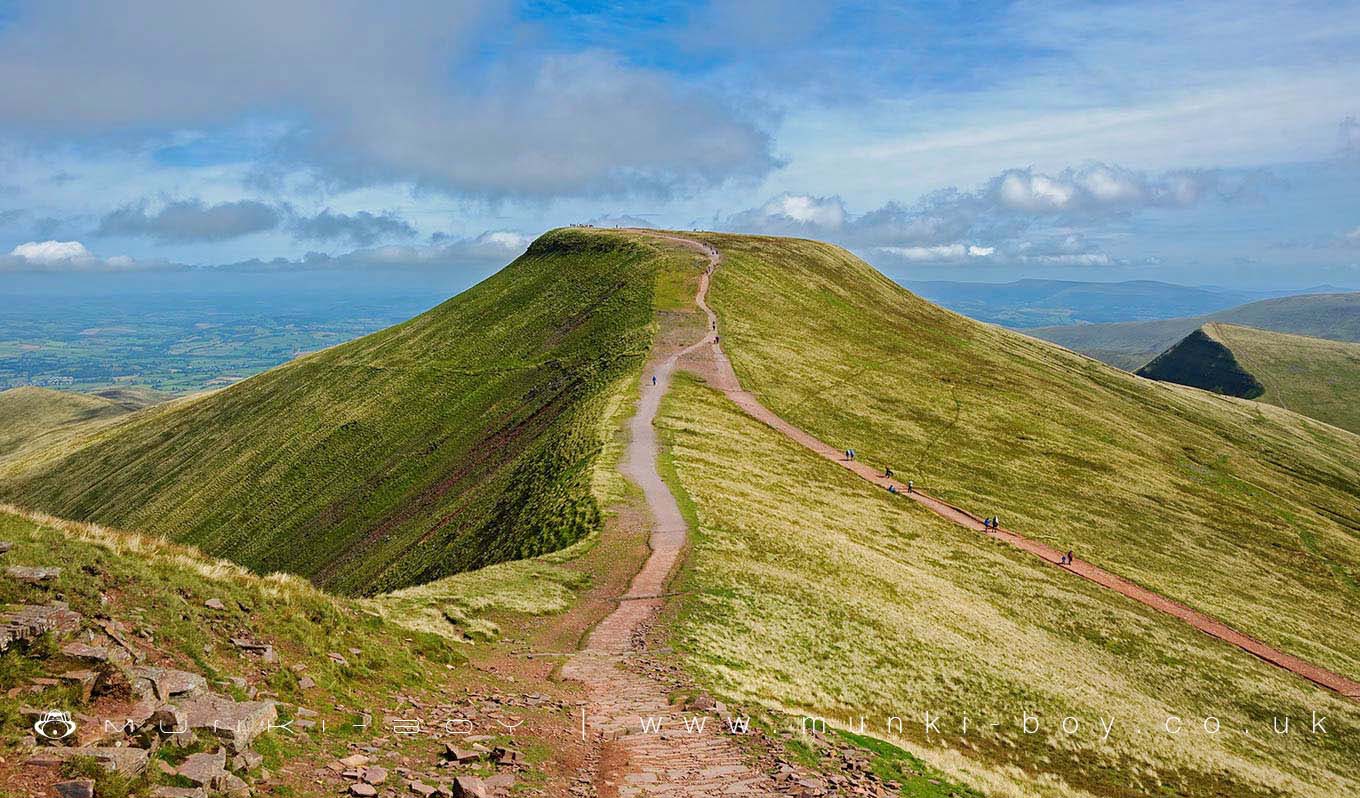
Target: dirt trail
(725, 379)
(674, 762)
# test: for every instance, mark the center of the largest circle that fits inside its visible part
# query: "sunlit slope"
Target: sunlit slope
(1240, 509)
(40, 418)
(460, 438)
(815, 593)
(1312, 376)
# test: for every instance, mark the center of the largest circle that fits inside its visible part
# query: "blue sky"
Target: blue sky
(1206, 143)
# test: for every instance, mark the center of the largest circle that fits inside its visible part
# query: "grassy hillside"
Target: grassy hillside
(1128, 345)
(1239, 509)
(1201, 360)
(40, 418)
(812, 592)
(460, 438)
(1320, 379)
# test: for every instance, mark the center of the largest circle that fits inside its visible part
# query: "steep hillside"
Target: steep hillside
(1201, 360)
(1241, 510)
(814, 593)
(1317, 378)
(460, 438)
(1128, 345)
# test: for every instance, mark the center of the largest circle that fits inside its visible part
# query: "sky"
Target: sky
(1206, 143)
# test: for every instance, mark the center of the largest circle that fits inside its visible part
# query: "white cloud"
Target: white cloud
(68, 256)
(51, 251)
(941, 253)
(793, 215)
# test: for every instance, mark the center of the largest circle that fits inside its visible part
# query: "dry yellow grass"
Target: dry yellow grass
(816, 593)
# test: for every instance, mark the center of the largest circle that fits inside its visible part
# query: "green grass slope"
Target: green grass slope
(460, 438)
(1201, 360)
(1312, 376)
(1240, 509)
(811, 592)
(1128, 345)
(38, 418)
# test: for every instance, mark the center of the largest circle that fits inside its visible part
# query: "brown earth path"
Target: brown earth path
(724, 378)
(675, 762)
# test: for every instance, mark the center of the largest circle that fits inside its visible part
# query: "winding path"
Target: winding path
(681, 763)
(674, 761)
(726, 381)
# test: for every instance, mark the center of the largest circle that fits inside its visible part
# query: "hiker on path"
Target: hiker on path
(892, 488)
(911, 486)
(987, 524)
(1069, 557)
(654, 379)
(887, 472)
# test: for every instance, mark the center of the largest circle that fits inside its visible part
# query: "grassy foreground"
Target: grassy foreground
(1239, 509)
(461, 438)
(812, 592)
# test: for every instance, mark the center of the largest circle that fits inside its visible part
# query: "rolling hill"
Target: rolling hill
(811, 592)
(1129, 345)
(805, 590)
(1312, 376)
(457, 439)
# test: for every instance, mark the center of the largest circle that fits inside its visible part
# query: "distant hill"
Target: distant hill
(1312, 376)
(1034, 303)
(37, 417)
(1128, 345)
(457, 439)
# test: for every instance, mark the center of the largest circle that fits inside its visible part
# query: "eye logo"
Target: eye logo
(55, 725)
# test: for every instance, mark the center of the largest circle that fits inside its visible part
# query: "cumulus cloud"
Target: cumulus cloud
(359, 229)
(191, 220)
(66, 256)
(940, 253)
(792, 215)
(372, 96)
(1019, 216)
(1100, 188)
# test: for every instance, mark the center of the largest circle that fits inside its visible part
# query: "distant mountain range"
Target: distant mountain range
(1129, 345)
(1024, 304)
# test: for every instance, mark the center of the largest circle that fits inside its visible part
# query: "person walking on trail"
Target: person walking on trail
(654, 379)
(887, 472)
(1069, 557)
(892, 488)
(987, 524)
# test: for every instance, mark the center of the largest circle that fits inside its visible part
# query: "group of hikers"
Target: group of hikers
(990, 524)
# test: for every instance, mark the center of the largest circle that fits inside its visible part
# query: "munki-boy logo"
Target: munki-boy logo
(55, 725)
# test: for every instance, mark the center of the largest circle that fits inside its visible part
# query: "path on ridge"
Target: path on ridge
(674, 762)
(725, 380)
